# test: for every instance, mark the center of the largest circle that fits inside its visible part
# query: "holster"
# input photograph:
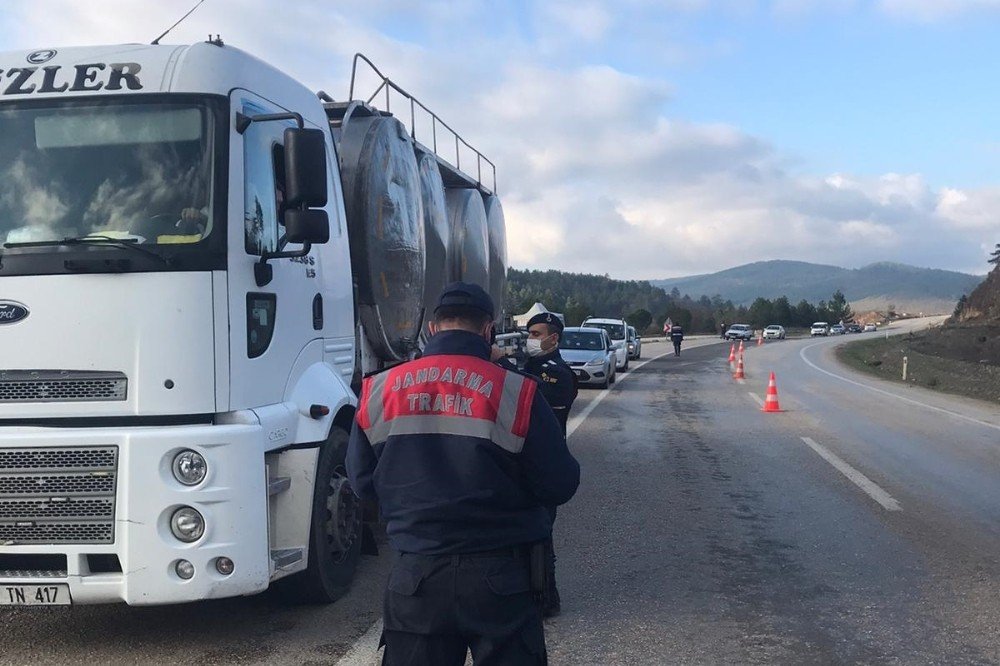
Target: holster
(538, 561)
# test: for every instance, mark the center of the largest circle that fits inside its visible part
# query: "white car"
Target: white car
(740, 332)
(618, 330)
(870, 328)
(819, 328)
(588, 353)
(634, 344)
(774, 332)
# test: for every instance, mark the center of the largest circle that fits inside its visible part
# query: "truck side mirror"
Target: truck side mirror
(306, 226)
(305, 168)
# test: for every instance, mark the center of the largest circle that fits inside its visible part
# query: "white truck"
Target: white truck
(199, 259)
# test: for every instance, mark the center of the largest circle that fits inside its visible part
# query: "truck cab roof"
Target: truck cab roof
(135, 69)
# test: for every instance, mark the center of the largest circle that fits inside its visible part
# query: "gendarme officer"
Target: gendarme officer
(558, 383)
(463, 457)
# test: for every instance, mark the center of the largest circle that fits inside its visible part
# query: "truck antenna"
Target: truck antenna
(190, 11)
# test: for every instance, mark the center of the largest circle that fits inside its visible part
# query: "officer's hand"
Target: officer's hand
(192, 215)
(496, 353)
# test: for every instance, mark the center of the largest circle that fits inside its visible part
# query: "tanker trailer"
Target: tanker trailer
(497, 237)
(385, 222)
(468, 251)
(437, 233)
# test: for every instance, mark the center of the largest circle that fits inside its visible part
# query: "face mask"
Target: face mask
(533, 346)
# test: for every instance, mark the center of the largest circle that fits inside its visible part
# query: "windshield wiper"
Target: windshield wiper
(127, 243)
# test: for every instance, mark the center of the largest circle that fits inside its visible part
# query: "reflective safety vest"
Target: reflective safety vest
(448, 395)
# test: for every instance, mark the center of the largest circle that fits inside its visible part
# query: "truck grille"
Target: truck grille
(61, 386)
(58, 495)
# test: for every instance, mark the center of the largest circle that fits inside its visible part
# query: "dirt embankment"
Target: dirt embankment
(962, 358)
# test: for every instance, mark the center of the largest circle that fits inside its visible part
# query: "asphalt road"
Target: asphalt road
(708, 532)
(704, 532)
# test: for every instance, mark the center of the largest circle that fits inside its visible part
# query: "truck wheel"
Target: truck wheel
(335, 532)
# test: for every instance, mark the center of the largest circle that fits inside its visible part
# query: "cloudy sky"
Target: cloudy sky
(658, 138)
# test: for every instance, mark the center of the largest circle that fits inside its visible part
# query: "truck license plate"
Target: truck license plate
(34, 595)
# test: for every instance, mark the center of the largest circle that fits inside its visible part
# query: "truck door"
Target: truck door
(269, 325)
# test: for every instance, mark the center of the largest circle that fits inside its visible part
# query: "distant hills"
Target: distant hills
(872, 287)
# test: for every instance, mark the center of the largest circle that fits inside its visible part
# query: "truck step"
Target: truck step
(287, 557)
(278, 484)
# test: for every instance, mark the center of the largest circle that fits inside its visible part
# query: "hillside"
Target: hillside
(983, 305)
(872, 287)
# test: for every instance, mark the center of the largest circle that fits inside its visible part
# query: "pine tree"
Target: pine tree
(995, 256)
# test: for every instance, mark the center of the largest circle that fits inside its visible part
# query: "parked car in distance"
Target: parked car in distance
(589, 352)
(853, 328)
(774, 332)
(618, 330)
(870, 328)
(634, 343)
(837, 329)
(819, 328)
(740, 332)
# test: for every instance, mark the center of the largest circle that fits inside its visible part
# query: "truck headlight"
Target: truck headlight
(190, 467)
(187, 524)
(184, 570)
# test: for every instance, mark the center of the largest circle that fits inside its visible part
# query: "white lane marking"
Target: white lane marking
(870, 488)
(741, 381)
(970, 419)
(757, 398)
(364, 651)
(576, 421)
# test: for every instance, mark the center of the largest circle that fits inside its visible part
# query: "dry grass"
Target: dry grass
(938, 359)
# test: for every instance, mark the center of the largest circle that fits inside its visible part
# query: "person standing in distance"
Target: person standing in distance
(463, 457)
(558, 385)
(676, 336)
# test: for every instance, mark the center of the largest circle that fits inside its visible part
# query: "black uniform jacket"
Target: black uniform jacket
(556, 381)
(462, 455)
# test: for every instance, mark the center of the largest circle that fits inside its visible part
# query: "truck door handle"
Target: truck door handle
(318, 312)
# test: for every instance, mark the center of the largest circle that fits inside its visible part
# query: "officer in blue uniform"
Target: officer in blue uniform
(557, 380)
(558, 384)
(463, 457)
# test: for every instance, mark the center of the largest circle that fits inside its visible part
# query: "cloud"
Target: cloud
(596, 172)
(931, 10)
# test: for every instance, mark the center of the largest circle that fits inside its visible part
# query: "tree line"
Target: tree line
(578, 296)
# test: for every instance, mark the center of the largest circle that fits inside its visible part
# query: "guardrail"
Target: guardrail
(389, 85)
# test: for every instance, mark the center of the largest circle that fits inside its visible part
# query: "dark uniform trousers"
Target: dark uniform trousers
(437, 607)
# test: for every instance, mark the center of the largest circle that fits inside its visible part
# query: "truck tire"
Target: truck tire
(335, 534)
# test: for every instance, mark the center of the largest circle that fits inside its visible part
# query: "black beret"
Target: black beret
(465, 295)
(546, 318)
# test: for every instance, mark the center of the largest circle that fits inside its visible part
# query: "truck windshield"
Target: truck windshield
(138, 171)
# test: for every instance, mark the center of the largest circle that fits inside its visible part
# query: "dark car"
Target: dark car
(853, 328)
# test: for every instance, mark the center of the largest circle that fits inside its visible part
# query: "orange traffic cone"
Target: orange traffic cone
(741, 349)
(732, 354)
(739, 369)
(760, 341)
(771, 400)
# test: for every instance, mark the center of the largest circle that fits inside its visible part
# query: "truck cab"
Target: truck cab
(175, 369)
